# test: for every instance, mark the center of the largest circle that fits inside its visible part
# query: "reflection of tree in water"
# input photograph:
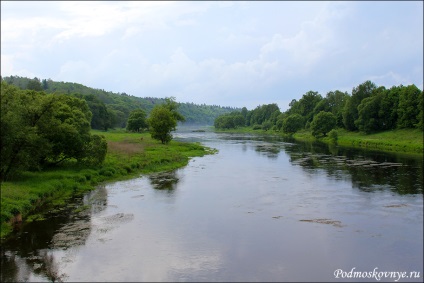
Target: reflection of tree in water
(164, 180)
(61, 230)
(271, 150)
(368, 171)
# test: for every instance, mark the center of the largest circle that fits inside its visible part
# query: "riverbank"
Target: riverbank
(408, 141)
(30, 196)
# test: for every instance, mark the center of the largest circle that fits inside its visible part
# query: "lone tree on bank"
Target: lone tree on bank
(163, 119)
(136, 121)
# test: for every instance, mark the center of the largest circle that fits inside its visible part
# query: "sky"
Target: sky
(239, 54)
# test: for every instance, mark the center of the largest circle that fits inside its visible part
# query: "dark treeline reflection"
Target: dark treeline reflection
(28, 252)
(164, 180)
(368, 170)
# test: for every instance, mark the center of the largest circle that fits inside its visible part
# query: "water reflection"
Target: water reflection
(164, 180)
(368, 171)
(263, 209)
(29, 256)
(269, 149)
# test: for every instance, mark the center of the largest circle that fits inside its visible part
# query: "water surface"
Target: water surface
(262, 209)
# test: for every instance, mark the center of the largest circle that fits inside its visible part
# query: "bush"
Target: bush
(333, 135)
(293, 123)
(322, 123)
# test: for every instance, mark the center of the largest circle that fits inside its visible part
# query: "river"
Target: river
(261, 209)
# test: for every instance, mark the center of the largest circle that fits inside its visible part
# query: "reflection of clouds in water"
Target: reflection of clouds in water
(156, 253)
(149, 245)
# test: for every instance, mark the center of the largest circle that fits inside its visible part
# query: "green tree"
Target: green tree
(161, 122)
(293, 123)
(262, 113)
(350, 110)
(408, 110)
(39, 129)
(334, 103)
(95, 150)
(267, 125)
(172, 106)
(323, 123)
(307, 104)
(34, 84)
(137, 121)
(66, 128)
(371, 116)
(45, 84)
(420, 118)
(101, 119)
(20, 146)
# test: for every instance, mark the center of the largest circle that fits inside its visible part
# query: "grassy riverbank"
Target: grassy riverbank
(409, 141)
(129, 155)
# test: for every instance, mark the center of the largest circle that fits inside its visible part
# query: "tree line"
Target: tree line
(112, 110)
(368, 108)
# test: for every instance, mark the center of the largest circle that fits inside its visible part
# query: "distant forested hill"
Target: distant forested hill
(112, 109)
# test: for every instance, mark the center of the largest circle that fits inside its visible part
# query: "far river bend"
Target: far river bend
(262, 209)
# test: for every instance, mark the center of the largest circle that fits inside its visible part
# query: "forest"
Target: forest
(111, 110)
(368, 108)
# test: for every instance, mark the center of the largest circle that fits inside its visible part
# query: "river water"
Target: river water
(261, 209)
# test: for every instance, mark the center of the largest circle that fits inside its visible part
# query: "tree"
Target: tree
(172, 105)
(39, 129)
(163, 119)
(262, 113)
(34, 84)
(20, 145)
(45, 84)
(334, 103)
(293, 123)
(267, 125)
(350, 110)
(137, 121)
(420, 117)
(101, 119)
(322, 123)
(162, 122)
(368, 119)
(66, 128)
(95, 150)
(408, 111)
(371, 116)
(307, 104)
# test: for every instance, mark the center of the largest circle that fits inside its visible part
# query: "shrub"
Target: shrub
(322, 123)
(333, 135)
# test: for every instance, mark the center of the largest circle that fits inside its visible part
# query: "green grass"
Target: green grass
(408, 141)
(129, 155)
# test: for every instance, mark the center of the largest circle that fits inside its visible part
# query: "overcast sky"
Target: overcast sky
(222, 53)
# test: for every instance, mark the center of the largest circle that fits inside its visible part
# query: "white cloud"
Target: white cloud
(235, 52)
(79, 71)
